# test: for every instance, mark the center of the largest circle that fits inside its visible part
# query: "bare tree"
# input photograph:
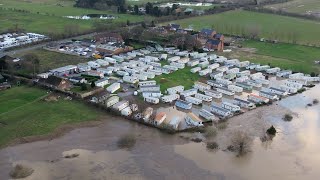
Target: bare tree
(240, 143)
(254, 31)
(31, 61)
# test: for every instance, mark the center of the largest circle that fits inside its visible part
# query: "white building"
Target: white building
(214, 84)
(126, 111)
(83, 67)
(235, 88)
(262, 68)
(147, 83)
(113, 87)
(193, 100)
(94, 65)
(288, 89)
(244, 103)
(105, 71)
(293, 85)
(196, 69)
(155, 94)
(203, 97)
(201, 86)
(207, 115)
(243, 73)
(102, 82)
(233, 71)
(170, 98)
(121, 105)
(220, 111)
(213, 94)
(122, 73)
(277, 91)
(284, 73)
(231, 107)
(273, 70)
(174, 58)
(193, 63)
(203, 64)
(254, 83)
(130, 79)
(223, 81)
(222, 68)
(205, 72)
(296, 76)
(242, 64)
(189, 92)
(300, 81)
(170, 67)
(225, 91)
(152, 100)
(193, 120)
(175, 90)
(178, 65)
(257, 99)
(213, 66)
(216, 75)
(150, 88)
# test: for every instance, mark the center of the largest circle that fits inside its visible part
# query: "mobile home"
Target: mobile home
(189, 92)
(193, 120)
(262, 68)
(268, 95)
(235, 88)
(214, 83)
(102, 82)
(284, 73)
(120, 105)
(112, 101)
(243, 73)
(243, 64)
(183, 104)
(300, 81)
(257, 99)
(193, 63)
(170, 67)
(203, 97)
(147, 83)
(242, 79)
(150, 88)
(288, 89)
(174, 58)
(273, 70)
(203, 64)
(213, 66)
(293, 85)
(207, 115)
(193, 100)
(222, 68)
(196, 69)
(113, 87)
(213, 94)
(296, 76)
(170, 98)
(216, 75)
(233, 71)
(223, 81)
(254, 83)
(155, 94)
(244, 85)
(231, 107)
(224, 90)
(220, 111)
(178, 65)
(122, 73)
(126, 111)
(130, 79)
(244, 103)
(205, 72)
(175, 90)
(152, 100)
(93, 64)
(201, 86)
(277, 91)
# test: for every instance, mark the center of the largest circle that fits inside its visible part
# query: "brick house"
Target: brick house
(219, 37)
(56, 82)
(207, 33)
(214, 44)
(108, 37)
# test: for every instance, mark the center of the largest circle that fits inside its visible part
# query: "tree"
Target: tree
(31, 61)
(128, 22)
(143, 24)
(152, 24)
(136, 9)
(83, 87)
(272, 131)
(93, 84)
(149, 8)
(241, 143)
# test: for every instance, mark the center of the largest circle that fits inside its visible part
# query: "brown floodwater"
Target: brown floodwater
(293, 153)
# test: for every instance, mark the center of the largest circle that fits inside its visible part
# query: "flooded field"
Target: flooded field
(292, 154)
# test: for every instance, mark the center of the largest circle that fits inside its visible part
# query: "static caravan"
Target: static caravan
(213, 94)
(173, 59)
(203, 97)
(244, 103)
(235, 88)
(152, 100)
(102, 82)
(254, 83)
(163, 56)
(273, 70)
(300, 81)
(214, 84)
(153, 63)
(147, 83)
(150, 75)
(257, 99)
(162, 70)
(150, 88)
(118, 58)
(242, 79)
(126, 111)
(277, 91)
(213, 66)
(122, 73)
(268, 95)
(262, 81)
(189, 92)
(113, 87)
(222, 68)
(140, 77)
(207, 115)
(245, 86)
(196, 69)
(296, 76)
(201, 86)
(220, 111)
(83, 67)
(170, 98)
(151, 58)
(262, 68)
(93, 64)
(223, 81)
(193, 100)
(257, 75)
(178, 65)
(130, 79)
(174, 122)
(293, 85)
(252, 66)
(193, 63)
(120, 105)
(216, 75)
(110, 60)
(129, 70)
(193, 120)
(102, 62)
(224, 90)
(220, 59)
(156, 94)
(311, 79)
(284, 73)
(289, 89)
(205, 72)
(203, 64)
(229, 76)
(183, 104)
(105, 71)
(112, 101)
(243, 64)
(243, 73)
(233, 71)
(232, 62)
(170, 67)
(156, 72)
(184, 60)
(175, 90)
(231, 107)
(212, 57)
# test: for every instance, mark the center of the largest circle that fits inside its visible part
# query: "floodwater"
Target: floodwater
(293, 154)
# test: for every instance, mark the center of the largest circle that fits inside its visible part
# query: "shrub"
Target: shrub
(287, 117)
(210, 132)
(197, 140)
(71, 156)
(21, 171)
(212, 145)
(240, 143)
(271, 131)
(126, 142)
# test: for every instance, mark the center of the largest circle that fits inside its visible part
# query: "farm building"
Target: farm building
(152, 100)
(150, 88)
(231, 107)
(196, 69)
(126, 111)
(244, 103)
(120, 105)
(235, 88)
(224, 90)
(113, 87)
(277, 91)
(189, 92)
(220, 111)
(159, 118)
(130, 79)
(183, 104)
(288, 89)
(175, 90)
(156, 94)
(257, 99)
(268, 95)
(170, 98)
(112, 100)
(193, 100)
(216, 75)
(201, 86)
(213, 94)
(147, 83)
(203, 97)
(284, 73)
(102, 82)
(193, 63)
(193, 120)
(207, 115)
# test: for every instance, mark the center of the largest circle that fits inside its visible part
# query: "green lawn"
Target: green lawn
(32, 117)
(297, 6)
(267, 25)
(181, 77)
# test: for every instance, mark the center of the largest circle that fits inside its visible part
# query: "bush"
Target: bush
(212, 145)
(197, 140)
(272, 131)
(71, 156)
(287, 117)
(240, 143)
(210, 132)
(126, 142)
(21, 171)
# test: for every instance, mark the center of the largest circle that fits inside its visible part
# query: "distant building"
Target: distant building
(113, 49)
(108, 37)
(214, 44)
(207, 33)
(56, 82)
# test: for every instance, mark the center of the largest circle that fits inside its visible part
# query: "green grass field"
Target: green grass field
(287, 56)
(297, 6)
(268, 25)
(22, 113)
(181, 77)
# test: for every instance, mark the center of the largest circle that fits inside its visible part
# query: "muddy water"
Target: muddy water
(293, 153)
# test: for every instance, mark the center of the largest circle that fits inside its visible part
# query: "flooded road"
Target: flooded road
(292, 154)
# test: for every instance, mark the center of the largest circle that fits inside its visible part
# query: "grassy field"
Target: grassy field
(297, 6)
(50, 60)
(287, 56)
(140, 2)
(22, 113)
(181, 77)
(47, 16)
(267, 25)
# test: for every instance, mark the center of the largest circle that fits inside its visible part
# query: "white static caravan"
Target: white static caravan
(213, 94)
(193, 100)
(243, 73)
(277, 91)
(232, 62)
(184, 60)
(193, 120)
(102, 62)
(235, 88)
(130, 79)
(225, 91)
(189, 92)
(83, 67)
(105, 71)
(93, 64)
(220, 111)
(147, 83)
(300, 81)
(284, 73)
(163, 56)
(152, 58)
(118, 58)
(102, 82)
(153, 63)
(170, 67)
(257, 99)
(205, 72)
(156, 72)
(244, 103)
(207, 115)
(110, 60)
(122, 73)
(252, 66)
(214, 84)
(120, 105)
(220, 59)
(293, 85)
(296, 76)
(162, 70)
(113, 87)
(213, 66)
(311, 79)
(222, 68)
(150, 88)
(203, 64)
(212, 57)
(216, 75)
(257, 75)
(156, 94)
(231, 107)
(152, 100)
(242, 64)
(254, 83)
(193, 63)
(178, 65)
(175, 90)
(170, 98)
(273, 70)
(203, 97)
(289, 89)
(201, 86)
(223, 81)
(242, 79)
(268, 95)
(196, 69)
(262, 68)
(150, 75)
(173, 59)
(140, 77)
(126, 111)
(233, 71)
